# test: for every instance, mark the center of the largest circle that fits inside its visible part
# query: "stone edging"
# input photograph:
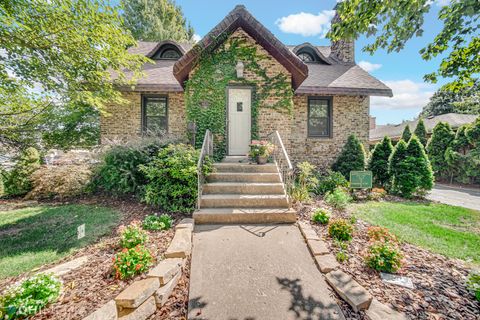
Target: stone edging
(140, 300)
(344, 284)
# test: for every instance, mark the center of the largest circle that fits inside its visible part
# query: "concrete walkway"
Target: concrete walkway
(455, 196)
(258, 273)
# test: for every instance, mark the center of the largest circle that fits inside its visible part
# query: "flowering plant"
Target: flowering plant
(132, 235)
(261, 148)
(130, 262)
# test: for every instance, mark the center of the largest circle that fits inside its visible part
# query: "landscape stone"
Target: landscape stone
(107, 312)
(307, 231)
(397, 280)
(144, 311)
(353, 293)
(162, 294)
(379, 311)
(136, 293)
(66, 267)
(181, 245)
(166, 270)
(317, 247)
(187, 223)
(326, 263)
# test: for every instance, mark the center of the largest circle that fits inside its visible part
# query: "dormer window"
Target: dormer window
(167, 52)
(170, 54)
(306, 57)
(309, 54)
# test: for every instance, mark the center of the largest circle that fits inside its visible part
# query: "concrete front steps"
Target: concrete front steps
(239, 192)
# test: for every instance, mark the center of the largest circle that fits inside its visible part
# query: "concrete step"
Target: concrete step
(243, 177)
(245, 167)
(246, 215)
(235, 159)
(243, 188)
(243, 201)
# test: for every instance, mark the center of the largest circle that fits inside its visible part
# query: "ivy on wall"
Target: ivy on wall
(206, 89)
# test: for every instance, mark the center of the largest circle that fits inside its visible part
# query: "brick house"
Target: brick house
(329, 94)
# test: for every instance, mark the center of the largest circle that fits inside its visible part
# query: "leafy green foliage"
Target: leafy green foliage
(29, 297)
(342, 253)
(305, 182)
(132, 235)
(406, 134)
(18, 181)
(338, 198)
(156, 20)
(395, 162)
(261, 148)
(59, 53)
(155, 223)
(172, 178)
(329, 181)
(393, 23)
(442, 137)
(378, 162)
(321, 216)
(444, 101)
(130, 262)
(384, 256)
(421, 132)
(340, 229)
(472, 132)
(206, 94)
(473, 284)
(352, 157)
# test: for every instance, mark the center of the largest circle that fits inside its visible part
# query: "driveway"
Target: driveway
(455, 196)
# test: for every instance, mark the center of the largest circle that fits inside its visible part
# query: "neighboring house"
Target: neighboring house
(394, 131)
(328, 93)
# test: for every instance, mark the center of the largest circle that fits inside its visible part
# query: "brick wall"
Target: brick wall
(124, 122)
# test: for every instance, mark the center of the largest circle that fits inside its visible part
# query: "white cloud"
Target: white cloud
(306, 24)
(368, 66)
(197, 37)
(406, 95)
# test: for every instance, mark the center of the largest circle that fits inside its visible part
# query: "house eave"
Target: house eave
(150, 87)
(344, 91)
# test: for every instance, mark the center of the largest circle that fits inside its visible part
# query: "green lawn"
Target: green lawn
(448, 230)
(34, 236)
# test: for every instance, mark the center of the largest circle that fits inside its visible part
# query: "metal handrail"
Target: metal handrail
(207, 150)
(281, 158)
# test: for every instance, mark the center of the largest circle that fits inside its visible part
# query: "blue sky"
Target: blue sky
(402, 71)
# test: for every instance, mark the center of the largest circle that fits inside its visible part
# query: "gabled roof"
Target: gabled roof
(239, 17)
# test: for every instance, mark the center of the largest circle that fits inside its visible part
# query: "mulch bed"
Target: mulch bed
(92, 285)
(439, 282)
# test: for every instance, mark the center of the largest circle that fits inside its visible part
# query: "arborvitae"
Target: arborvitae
(406, 134)
(378, 163)
(442, 137)
(421, 132)
(419, 168)
(396, 163)
(351, 158)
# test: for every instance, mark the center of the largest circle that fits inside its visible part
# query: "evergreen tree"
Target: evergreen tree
(442, 137)
(421, 132)
(156, 20)
(473, 133)
(396, 163)
(378, 162)
(352, 157)
(420, 174)
(406, 134)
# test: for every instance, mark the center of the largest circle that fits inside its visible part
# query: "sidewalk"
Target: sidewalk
(256, 272)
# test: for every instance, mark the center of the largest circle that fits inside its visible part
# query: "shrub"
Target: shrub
(442, 137)
(342, 254)
(380, 234)
(384, 256)
(340, 229)
(377, 194)
(421, 132)
(130, 262)
(18, 181)
(173, 178)
(406, 134)
(378, 162)
(61, 182)
(351, 158)
(305, 182)
(29, 297)
(339, 198)
(163, 222)
(473, 284)
(321, 216)
(330, 181)
(132, 235)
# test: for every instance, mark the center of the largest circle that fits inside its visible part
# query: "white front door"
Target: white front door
(239, 120)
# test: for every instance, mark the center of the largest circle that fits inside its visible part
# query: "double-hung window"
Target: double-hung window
(320, 117)
(154, 114)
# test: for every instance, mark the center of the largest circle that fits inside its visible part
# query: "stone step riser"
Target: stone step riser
(260, 202)
(241, 168)
(238, 177)
(204, 217)
(243, 188)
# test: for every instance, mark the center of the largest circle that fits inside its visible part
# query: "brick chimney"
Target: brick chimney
(343, 50)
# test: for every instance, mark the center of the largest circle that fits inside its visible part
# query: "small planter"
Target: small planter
(260, 151)
(262, 160)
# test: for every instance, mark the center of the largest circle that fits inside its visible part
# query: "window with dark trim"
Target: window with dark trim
(154, 114)
(319, 117)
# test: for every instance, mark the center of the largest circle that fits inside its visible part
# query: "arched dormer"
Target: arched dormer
(166, 50)
(310, 54)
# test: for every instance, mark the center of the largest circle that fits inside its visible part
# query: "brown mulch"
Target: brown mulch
(439, 282)
(89, 287)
